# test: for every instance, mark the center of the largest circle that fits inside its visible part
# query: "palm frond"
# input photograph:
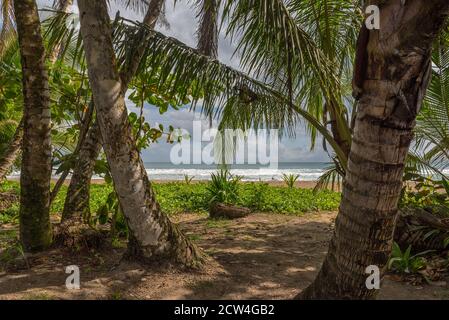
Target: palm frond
(431, 149)
(221, 90)
(332, 178)
(217, 90)
(7, 130)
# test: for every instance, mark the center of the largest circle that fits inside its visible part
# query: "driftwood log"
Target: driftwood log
(423, 229)
(220, 210)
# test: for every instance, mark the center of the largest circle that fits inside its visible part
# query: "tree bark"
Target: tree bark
(76, 203)
(35, 227)
(157, 238)
(12, 151)
(62, 6)
(397, 75)
(77, 200)
(208, 30)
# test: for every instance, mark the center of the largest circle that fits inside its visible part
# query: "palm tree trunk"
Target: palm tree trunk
(157, 238)
(85, 127)
(63, 6)
(35, 227)
(76, 203)
(11, 153)
(77, 200)
(397, 76)
(208, 30)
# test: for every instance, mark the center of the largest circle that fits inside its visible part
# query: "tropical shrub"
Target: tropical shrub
(404, 262)
(223, 188)
(290, 179)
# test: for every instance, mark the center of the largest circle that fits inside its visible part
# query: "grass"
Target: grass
(179, 197)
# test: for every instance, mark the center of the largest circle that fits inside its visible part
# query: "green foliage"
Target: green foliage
(10, 215)
(290, 179)
(223, 188)
(404, 262)
(285, 200)
(431, 147)
(256, 200)
(179, 197)
(426, 193)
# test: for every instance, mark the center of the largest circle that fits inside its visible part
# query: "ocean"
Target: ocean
(164, 171)
(307, 171)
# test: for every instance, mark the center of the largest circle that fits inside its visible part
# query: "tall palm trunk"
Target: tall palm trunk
(12, 151)
(35, 227)
(157, 238)
(77, 200)
(397, 75)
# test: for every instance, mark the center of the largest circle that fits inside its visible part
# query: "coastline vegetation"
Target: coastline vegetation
(180, 197)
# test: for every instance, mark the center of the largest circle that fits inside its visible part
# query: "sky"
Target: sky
(183, 26)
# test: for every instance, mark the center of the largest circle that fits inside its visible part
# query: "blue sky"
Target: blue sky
(183, 26)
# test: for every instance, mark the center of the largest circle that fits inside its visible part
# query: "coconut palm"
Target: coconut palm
(8, 39)
(156, 238)
(35, 227)
(77, 200)
(78, 194)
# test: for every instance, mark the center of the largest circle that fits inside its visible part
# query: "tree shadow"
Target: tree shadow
(263, 256)
(261, 260)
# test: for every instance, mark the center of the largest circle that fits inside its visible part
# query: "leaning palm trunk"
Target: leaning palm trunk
(11, 153)
(78, 194)
(62, 6)
(157, 238)
(77, 201)
(35, 227)
(395, 79)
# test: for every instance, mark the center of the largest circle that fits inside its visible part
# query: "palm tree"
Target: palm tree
(7, 38)
(397, 76)
(156, 237)
(77, 199)
(35, 227)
